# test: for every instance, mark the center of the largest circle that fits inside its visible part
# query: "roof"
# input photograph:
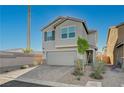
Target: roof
(121, 24)
(92, 31)
(63, 19)
(93, 46)
(119, 44)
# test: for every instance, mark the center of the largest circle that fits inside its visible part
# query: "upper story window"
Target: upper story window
(49, 36)
(72, 32)
(64, 33)
(68, 32)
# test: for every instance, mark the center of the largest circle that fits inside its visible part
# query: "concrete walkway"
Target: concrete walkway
(9, 76)
(93, 84)
(122, 85)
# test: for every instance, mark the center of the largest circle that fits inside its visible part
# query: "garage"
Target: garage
(61, 57)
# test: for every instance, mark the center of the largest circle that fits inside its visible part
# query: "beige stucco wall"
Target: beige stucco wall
(121, 33)
(112, 39)
(120, 50)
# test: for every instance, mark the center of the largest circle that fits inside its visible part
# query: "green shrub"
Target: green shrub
(98, 70)
(27, 50)
(78, 78)
(96, 75)
(78, 72)
(24, 66)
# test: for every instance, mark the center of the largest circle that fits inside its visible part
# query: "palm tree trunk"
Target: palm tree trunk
(28, 32)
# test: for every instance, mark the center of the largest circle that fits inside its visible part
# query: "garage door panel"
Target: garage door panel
(61, 58)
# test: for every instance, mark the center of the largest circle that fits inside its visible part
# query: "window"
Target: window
(64, 33)
(68, 32)
(49, 36)
(71, 32)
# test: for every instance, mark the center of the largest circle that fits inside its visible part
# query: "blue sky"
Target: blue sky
(13, 22)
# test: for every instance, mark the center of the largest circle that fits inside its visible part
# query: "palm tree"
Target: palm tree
(82, 46)
(28, 49)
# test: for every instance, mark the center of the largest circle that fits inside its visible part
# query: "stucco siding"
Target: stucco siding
(121, 34)
(80, 31)
(48, 45)
(112, 40)
(92, 38)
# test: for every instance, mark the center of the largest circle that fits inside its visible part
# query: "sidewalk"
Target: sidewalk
(9, 76)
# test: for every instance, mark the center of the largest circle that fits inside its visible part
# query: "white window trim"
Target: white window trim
(67, 32)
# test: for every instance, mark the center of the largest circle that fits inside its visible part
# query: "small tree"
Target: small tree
(82, 46)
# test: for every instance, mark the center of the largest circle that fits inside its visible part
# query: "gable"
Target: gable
(61, 20)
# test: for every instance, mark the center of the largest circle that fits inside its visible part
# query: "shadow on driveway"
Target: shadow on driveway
(15, 83)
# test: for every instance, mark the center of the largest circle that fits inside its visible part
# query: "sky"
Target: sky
(13, 22)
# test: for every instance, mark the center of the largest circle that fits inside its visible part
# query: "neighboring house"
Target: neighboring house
(60, 41)
(115, 43)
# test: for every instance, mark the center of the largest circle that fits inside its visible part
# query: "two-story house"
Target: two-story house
(115, 43)
(59, 41)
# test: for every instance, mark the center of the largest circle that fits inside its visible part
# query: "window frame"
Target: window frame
(71, 32)
(49, 36)
(68, 32)
(65, 33)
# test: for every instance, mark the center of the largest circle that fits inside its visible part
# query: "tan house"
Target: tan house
(115, 43)
(60, 37)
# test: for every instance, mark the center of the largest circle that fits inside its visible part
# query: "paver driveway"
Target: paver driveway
(47, 73)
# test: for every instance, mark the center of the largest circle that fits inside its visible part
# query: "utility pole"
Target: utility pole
(28, 31)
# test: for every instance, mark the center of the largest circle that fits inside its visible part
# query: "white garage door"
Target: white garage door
(61, 58)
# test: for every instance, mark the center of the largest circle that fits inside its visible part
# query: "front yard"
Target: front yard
(63, 74)
(110, 78)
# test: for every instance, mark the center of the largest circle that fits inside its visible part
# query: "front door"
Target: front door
(89, 56)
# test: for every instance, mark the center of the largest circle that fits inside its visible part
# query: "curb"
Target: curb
(48, 83)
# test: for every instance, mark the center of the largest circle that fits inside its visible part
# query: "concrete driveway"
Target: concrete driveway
(47, 73)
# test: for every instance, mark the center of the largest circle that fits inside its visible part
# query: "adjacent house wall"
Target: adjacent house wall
(112, 39)
(119, 52)
(121, 34)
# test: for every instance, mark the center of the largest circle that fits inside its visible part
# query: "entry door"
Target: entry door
(89, 56)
